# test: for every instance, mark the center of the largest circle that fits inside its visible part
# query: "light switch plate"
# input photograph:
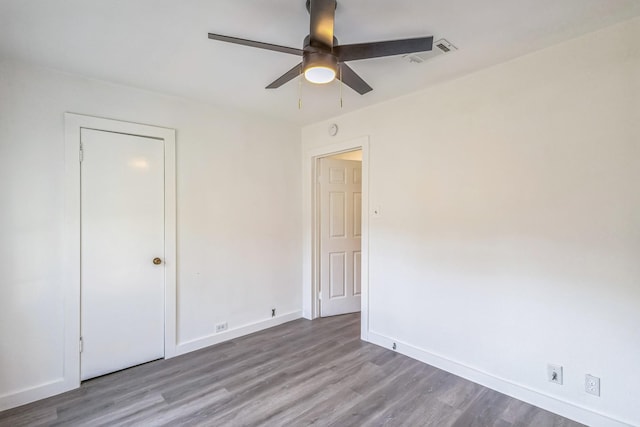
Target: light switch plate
(554, 373)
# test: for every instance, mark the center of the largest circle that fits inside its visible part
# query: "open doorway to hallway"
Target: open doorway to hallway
(311, 237)
(339, 220)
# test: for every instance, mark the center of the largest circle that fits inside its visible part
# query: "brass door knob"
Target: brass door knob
(157, 261)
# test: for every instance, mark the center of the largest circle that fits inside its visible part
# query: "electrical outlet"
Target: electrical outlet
(221, 327)
(554, 373)
(592, 385)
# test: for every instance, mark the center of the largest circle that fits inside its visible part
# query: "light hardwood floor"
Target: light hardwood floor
(297, 374)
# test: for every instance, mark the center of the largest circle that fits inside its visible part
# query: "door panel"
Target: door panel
(337, 271)
(122, 231)
(357, 215)
(340, 218)
(337, 209)
(357, 257)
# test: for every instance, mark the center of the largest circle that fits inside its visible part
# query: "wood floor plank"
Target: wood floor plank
(421, 407)
(35, 417)
(297, 374)
(485, 410)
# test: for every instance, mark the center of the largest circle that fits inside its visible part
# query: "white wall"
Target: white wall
(239, 216)
(509, 234)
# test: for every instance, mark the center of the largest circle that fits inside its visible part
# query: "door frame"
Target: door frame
(73, 125)
(311, 236)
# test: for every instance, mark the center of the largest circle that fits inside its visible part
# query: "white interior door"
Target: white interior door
(340, 214)
(122, 231)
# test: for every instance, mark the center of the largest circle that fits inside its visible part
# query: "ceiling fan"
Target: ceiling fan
(323, 59)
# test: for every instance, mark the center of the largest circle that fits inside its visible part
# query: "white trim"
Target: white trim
(230, 334)
(309, 279)
(32, 394)
(534, 397)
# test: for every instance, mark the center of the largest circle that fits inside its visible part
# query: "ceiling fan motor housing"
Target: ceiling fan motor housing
(319, 56)
(320, 59)
(307, 46)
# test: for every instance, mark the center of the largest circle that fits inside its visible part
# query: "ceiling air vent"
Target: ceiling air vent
(443, 47)
(440, 47)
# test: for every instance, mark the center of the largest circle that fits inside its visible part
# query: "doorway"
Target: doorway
(339, 213)
(77, 128)
(311, 248)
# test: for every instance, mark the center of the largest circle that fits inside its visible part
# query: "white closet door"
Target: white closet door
(122, 266)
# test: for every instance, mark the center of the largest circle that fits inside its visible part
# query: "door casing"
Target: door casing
(73, 125)
(311, 236)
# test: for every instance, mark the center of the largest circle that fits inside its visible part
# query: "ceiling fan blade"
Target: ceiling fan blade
(260, 45)
(351, 52)
(353, 80)
(322, 14)
(289, 75)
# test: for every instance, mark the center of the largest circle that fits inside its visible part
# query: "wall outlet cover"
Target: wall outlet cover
(592, 385)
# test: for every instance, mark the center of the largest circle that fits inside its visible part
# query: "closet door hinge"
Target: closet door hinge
(81, 345)
(81, 153)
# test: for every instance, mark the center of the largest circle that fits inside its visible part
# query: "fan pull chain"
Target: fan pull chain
(300, 90)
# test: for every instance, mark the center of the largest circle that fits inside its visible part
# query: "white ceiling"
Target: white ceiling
(162, 45)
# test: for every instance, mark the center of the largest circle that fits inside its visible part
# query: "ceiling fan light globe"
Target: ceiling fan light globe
(319, 67)
(320, 74)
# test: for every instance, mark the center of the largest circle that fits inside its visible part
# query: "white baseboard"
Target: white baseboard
(31, 394)
(197, 344)
(537, 398)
